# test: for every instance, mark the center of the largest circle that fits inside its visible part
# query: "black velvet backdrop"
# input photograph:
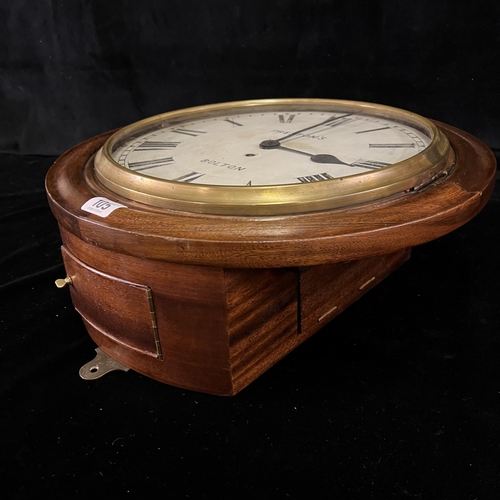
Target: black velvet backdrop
(399, 397)
(72, 69)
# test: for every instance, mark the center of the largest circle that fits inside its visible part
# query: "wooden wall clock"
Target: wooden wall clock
(203, 245)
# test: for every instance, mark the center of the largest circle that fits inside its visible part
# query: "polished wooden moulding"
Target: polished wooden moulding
(209, 302)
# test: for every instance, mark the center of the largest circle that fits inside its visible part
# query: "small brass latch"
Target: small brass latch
(61, 283)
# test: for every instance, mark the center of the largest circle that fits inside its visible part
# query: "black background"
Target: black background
(72, 69)
(399, 397)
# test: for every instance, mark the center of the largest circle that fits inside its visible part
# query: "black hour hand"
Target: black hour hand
(321, 158)
(325, 158)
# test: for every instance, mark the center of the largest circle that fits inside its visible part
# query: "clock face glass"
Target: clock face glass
(268, 147)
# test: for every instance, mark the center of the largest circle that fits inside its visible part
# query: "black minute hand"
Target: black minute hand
(329, 120)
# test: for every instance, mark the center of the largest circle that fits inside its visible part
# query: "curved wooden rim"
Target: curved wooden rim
(273, 241)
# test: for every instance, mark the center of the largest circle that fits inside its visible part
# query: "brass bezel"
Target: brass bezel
(276, 199)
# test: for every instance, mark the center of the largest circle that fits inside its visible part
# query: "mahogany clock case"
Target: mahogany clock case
(230, 296)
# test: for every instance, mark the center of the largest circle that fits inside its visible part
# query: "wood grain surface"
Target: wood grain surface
(309, 239)
(209, 302)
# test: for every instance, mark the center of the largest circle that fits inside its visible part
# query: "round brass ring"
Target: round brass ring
(276, 199)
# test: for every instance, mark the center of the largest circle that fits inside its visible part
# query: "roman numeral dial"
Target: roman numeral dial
(393, 145)
(324, 176)
(156, 145)
(369, 164)
(140, 166)
(286, 118)
(270, 147)
(192, 133)
(191, 177)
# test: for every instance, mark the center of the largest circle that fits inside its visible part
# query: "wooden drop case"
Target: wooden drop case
(208, 302)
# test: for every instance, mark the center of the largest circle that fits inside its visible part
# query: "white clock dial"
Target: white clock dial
(276, 156)
(269, 147)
